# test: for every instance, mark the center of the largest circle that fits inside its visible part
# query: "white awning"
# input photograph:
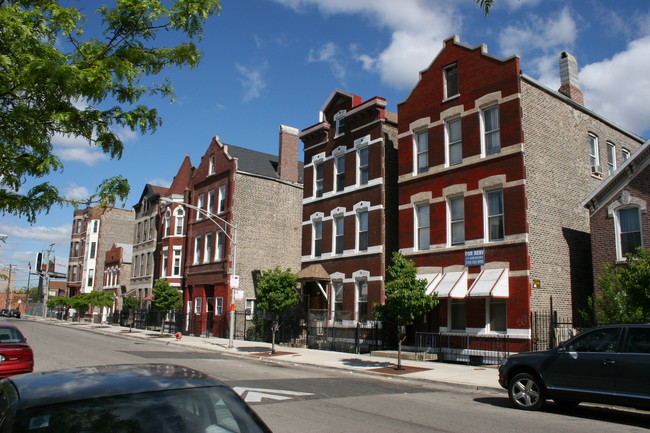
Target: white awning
(491, 283)
(452, 285)
(432, 281)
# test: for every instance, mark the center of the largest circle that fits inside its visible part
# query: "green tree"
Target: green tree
(61, 75)
(165, 298)
(276, 293)
(101, 299)
(80, 303)
(130, 304)
(624, 295)
(486, 5)
(406, 299)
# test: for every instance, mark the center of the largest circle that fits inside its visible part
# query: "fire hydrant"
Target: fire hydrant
(178, 335)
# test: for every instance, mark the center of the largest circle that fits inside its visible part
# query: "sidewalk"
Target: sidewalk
(469, 377)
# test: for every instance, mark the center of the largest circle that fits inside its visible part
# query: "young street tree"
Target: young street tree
(406, 299)
(129, 304)
(625, 291)
(166, 298)
(276, 293)
(101, 299)
(61, 77)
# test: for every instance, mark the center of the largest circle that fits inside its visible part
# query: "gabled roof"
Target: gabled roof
(618, 180)
(182, 179)
(257, 163)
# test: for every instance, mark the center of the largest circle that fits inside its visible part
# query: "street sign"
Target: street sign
(234, 281)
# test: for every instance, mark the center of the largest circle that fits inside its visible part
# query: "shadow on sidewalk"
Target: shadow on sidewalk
(356, 362)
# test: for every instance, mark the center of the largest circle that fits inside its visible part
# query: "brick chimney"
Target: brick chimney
(288, 158)
(570, 84)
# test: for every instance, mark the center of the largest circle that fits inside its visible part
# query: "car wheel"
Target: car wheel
(525, 392)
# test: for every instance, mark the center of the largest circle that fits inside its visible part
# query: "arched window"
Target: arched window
(180, 216)
(168, 222)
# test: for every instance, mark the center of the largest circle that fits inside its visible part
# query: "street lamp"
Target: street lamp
(220, 222)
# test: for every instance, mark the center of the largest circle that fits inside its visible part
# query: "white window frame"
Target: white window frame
(211, 165)
(360, 232)
(249, 308)
(363, 169)
(339, 123)
(421, 151)
(339, 172)
(458, 221)
(200, 201)
(449, 144)
(360, 286)
(207, 248)
(620, 254)
(197, 250)
(487, 133)
(177, 261)
(198, 304)
(490, 309)
(179, 219)
(338, 233)
(489, 217)
(319, 179)
(218, 251)
(611, 158)
(165, 258)
(446, 79)
(211, 195)
(594, 154)
(423, 226)
(317, 236)
(625, 154)
(218, 306)
(222, 199)
(168, 222)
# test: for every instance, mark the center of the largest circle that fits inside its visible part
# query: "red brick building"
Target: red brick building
(348, 221)
(618, 211)
(492, 168)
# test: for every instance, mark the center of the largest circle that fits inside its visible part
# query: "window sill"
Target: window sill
(451, 98)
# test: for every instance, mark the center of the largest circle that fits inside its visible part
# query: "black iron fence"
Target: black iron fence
(548, 329)
(470, 349)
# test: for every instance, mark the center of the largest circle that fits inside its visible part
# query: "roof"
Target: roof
(313, 273)
(258, 163)
(618, 180)
(36, 389)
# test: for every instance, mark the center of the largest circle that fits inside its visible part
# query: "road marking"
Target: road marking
(255, 395)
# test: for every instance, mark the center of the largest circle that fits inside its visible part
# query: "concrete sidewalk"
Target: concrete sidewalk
(470, 377)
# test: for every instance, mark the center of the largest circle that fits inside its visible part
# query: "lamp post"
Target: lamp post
(222, 224)
(46, 290)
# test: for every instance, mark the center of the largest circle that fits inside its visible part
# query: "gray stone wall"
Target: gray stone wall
(116, 226)
(558, 178)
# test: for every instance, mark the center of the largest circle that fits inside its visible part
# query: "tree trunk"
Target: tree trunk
(401, 336)
(274, 329)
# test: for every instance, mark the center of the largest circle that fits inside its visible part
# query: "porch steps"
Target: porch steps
(413, 356)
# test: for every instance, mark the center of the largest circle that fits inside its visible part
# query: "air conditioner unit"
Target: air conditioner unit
(596, 169)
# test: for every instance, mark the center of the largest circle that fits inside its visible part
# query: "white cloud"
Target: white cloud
(516, 4)
(252, 78)
(47, 235)
(76, 192)
(165, 183)
(329, 53)
(619, 88)
(74, 148)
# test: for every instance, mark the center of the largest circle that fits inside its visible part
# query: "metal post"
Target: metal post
(46, 290)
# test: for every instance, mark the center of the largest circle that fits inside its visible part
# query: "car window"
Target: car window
(637, 341)
(10, 335)
(598, 340)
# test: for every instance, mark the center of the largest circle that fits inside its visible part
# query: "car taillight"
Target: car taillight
(20, 354)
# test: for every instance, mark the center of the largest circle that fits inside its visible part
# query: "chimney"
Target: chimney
(288, 158)
(570, 84)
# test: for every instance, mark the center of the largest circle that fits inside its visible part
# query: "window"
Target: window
(451, 81)
(207, 254)
(422, 223)
(249, 308)
(611, 158)
(165, 257)
(91, 275)
(148, 263)
(211, 201)
(337, 287)
(599, 340)
(142, 263)
(145, 229)
(222, 198)
(180, 217)
(457, 314)
(362, 300)
(151, 225)
(363, 166)
(422, 151)
(362, 231)
(454, 142)
(177, 263)
(136, 267)
(339, 118)
(494, 207)
(218, 306)
(74, 273)
(637, 340)
(168, 222)
(197, 305)
(199, 203)
(340, 172)
(318, 238)
(95, 226)
(498, 322)
(211, 166)
(320, 171)
(76, 249)
(93, 246)
(218, 254)
(339, 234)
(629, 230)
(490, 124)
(456, 220)
(593, 154)
(625, 154)
(197, 249)
(137, 232)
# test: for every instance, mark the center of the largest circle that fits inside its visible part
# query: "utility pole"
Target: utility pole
(47, 280)
(7, 305)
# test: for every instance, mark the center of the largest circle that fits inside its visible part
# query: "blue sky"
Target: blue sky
(273, 62)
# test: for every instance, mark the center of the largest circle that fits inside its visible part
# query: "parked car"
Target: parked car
(607, 364)
(16, 356)
(14, 313)
(4, 312)
(149, 398)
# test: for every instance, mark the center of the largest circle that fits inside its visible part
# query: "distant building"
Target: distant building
(117, 272)
(493, 166)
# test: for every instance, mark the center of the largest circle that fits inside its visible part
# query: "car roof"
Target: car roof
(42, 388)
(8, 325)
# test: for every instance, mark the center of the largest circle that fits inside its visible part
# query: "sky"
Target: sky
(268, 63)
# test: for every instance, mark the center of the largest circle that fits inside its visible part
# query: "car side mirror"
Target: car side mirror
(561, 347)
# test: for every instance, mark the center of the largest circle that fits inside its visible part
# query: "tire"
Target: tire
(526, 392)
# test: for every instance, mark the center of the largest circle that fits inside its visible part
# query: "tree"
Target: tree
(406, 299)
(80, 303)
(165, 298)
(100, 298)
(59, 76)
(624, 290)
(486, 5)
(130, 303)
(276, 293)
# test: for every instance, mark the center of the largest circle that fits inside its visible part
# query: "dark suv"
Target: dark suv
(608, 364)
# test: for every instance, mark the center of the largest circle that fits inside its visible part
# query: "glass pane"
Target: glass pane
(496, 228)
(455, 154)
(630, 221)
(453, 128)
(498, 315)
(495, 202)
(601, 340)
(457, 209)
(638, 340)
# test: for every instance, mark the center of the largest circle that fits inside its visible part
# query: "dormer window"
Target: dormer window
(339, 118)
(451, 81)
